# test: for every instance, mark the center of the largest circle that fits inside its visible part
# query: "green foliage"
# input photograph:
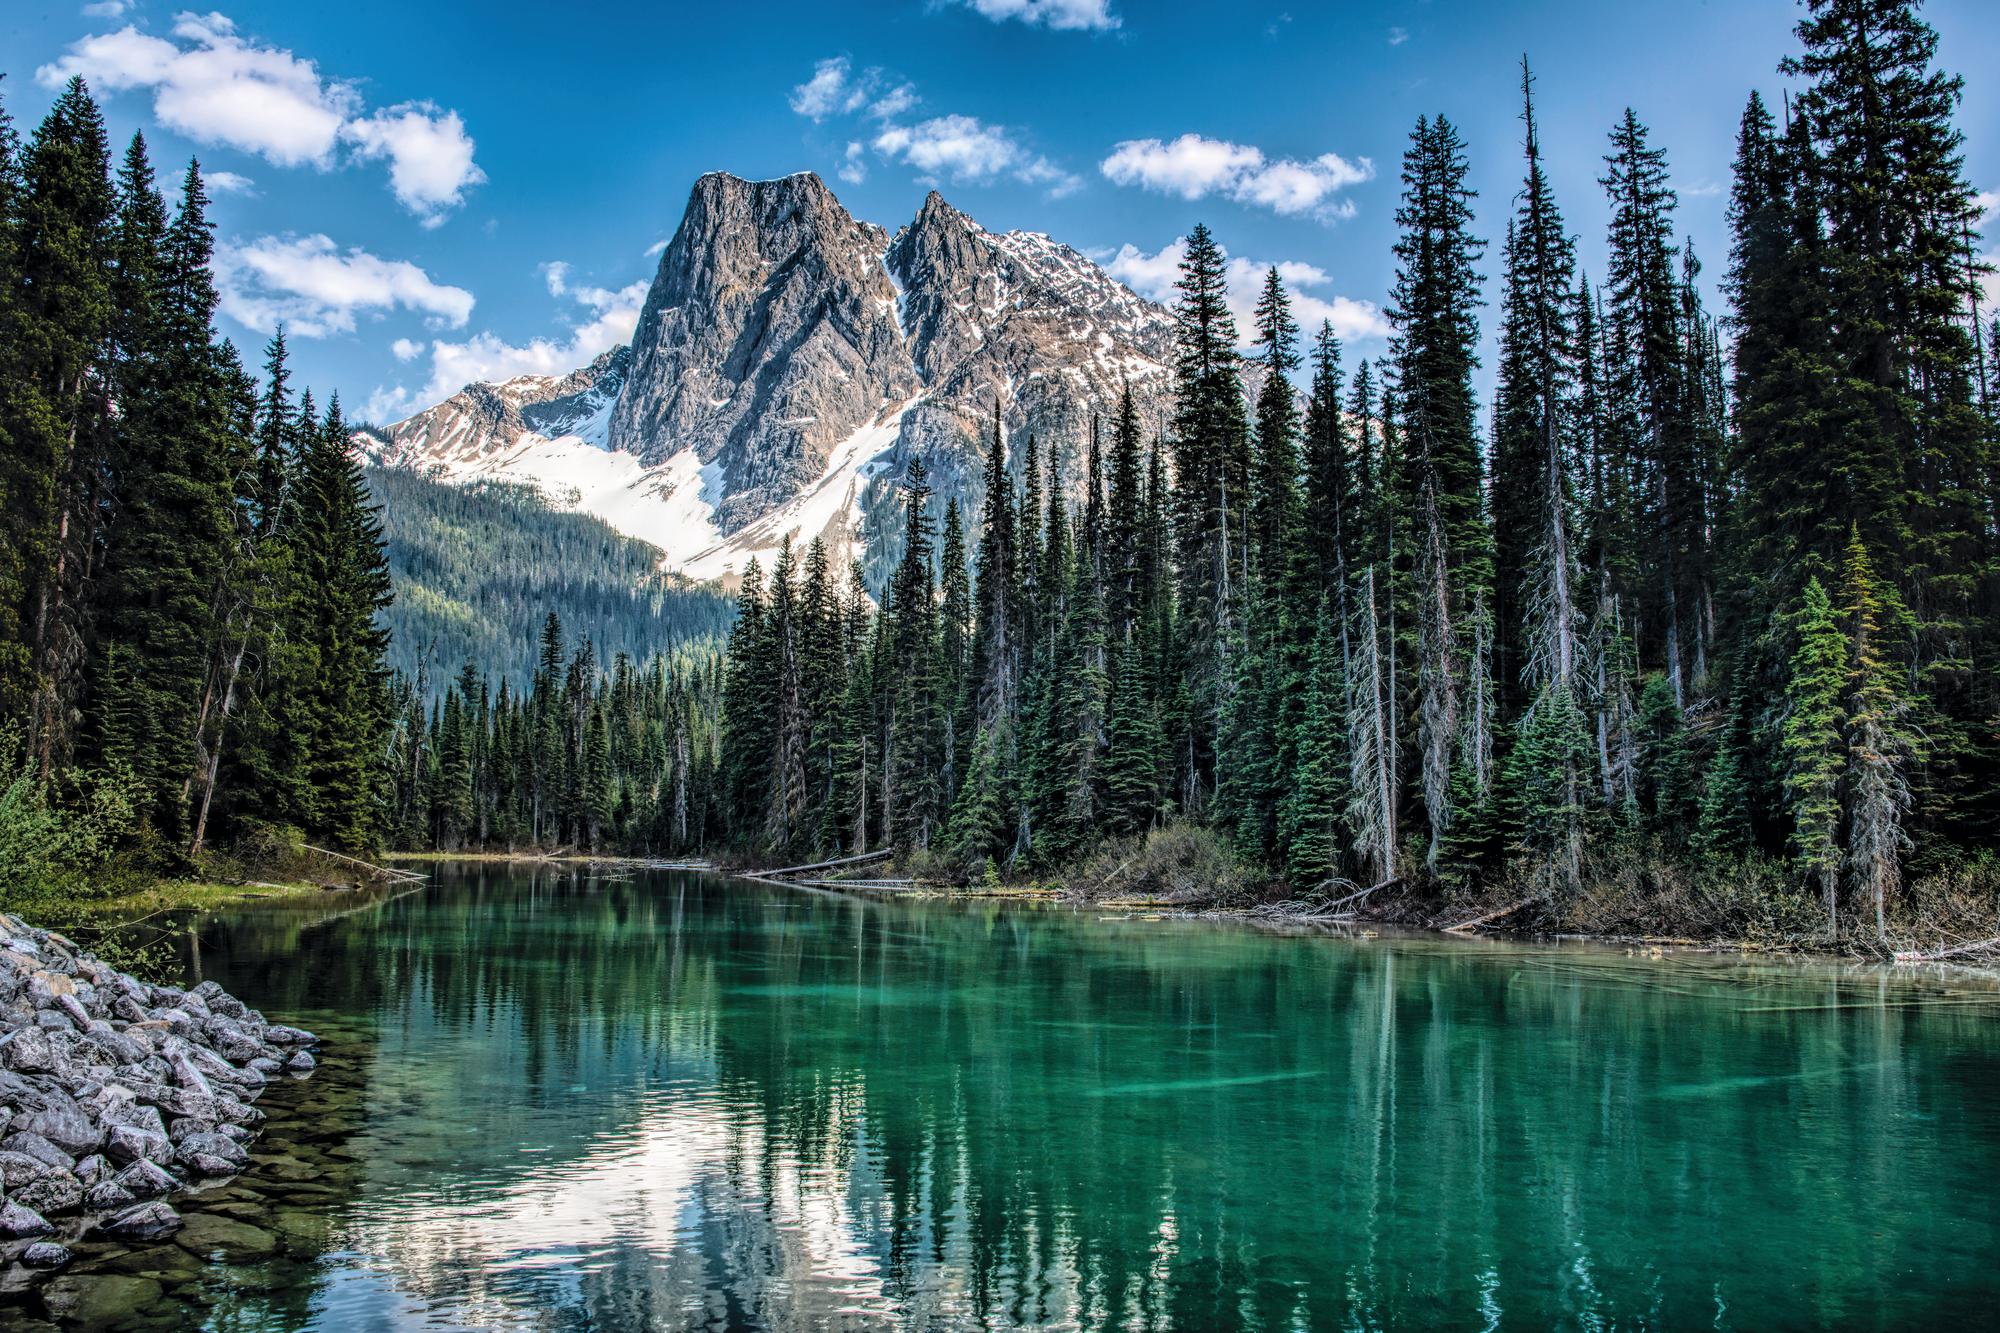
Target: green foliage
(60, 839)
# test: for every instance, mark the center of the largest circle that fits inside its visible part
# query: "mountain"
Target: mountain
(788, 364)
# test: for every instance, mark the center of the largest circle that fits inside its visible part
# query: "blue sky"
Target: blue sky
(429, 193)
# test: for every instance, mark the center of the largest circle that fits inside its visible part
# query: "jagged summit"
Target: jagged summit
(791, 359)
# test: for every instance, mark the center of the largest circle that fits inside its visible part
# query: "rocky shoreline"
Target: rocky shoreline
(116, 1094)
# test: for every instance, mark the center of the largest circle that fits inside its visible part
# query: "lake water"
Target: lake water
(558, 1101)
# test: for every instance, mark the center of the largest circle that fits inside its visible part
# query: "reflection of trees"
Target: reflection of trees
(796, 1105)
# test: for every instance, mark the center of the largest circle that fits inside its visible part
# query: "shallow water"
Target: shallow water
(552, 1101)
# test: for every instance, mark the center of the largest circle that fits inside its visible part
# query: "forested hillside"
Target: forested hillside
(1703, 628)
(476, 569)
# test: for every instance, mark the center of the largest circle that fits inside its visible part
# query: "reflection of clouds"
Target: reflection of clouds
(694, 1211)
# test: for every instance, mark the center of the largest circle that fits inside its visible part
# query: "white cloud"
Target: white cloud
(315, 289)
(1194, 167)
(826, 92)
(969, 151)
(406, 349)
(1397, 36)
(1091, 15)
(1154, 275)
(1984, 203)
(227, 182)
(106, 9)
(836, 90)
(219, 88)
(657, 246)
(611, 313)
(853, 167)
(895, 102)
(429, 153)
(962, 149)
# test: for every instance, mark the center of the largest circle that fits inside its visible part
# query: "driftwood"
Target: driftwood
(1490, 916)
(384, 871)
(818, 865)
(1980, 946)
(1393, 879)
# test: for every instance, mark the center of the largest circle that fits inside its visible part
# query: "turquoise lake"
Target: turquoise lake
(556, 1100)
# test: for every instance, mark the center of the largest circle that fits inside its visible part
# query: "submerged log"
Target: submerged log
(1490, 916)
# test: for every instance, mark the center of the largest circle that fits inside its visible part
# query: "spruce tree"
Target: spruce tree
(1814, 746)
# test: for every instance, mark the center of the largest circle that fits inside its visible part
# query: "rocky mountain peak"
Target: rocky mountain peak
(769, 336)
(791, 360)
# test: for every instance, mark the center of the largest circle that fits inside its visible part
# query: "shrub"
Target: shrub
(1180, 861)
(58, 839)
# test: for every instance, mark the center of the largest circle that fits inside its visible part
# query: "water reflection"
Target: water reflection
(688, 1103)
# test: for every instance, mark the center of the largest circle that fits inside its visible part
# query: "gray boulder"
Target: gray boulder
(17, 1222)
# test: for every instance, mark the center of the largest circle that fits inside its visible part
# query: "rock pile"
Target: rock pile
(115, 1093)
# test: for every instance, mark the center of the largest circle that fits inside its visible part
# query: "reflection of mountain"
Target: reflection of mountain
(693, 1103)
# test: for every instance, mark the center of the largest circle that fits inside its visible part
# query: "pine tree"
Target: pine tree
(1211, 447)
(1436, 293)
(1313, 808)
(1536, 567)
(1814, 747)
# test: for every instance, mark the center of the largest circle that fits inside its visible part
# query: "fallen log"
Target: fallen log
(818, 865)
(1490, 916)
(1909, 956)
(383, 871)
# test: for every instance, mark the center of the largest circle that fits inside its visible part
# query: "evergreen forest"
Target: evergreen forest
(1695, 626)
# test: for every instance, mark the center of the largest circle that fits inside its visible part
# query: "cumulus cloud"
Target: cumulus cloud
(1154, 275)
(227, 182)
(826, 92)
(220, 88)
(217, 88)
(961, 149)
(836, 89)
(1086, 15)
(1193, 167)
(604, 319)
(429, 155)
(315, 289)
(968, 151)
(406, 349)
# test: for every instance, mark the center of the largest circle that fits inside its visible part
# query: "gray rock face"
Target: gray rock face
(144, 1220)
(768, 336)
